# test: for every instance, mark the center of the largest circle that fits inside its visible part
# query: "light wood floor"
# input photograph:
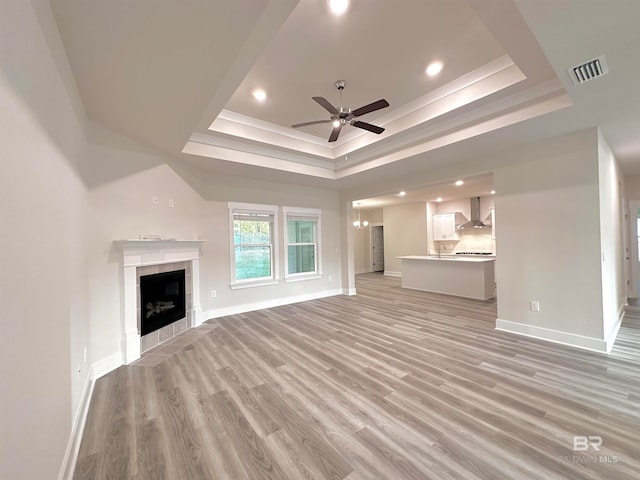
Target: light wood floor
(389, 384)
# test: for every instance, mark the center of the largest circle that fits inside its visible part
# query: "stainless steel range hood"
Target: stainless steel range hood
(475, 221)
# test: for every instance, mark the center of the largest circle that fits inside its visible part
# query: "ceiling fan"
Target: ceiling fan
(343, 116)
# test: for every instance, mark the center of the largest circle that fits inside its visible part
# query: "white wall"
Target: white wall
(632, 187)
(43, 222)
(548, 239)
(362, 239)
(217, 191)
(405, 233)
(69, 188)
(461, 205)
(361, 247)
(123, 208)
(614, 288)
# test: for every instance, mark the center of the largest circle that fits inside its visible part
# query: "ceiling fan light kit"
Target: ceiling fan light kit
(343, 116)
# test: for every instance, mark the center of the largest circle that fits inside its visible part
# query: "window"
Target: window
(302, 231)
(638, 230)
(253, 255)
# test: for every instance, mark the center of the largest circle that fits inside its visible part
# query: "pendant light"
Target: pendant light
(358, 224)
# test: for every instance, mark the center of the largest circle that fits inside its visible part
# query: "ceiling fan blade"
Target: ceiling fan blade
(335, 132)
(372, 107)
(315, 122)
(367, 126)
(325, 103)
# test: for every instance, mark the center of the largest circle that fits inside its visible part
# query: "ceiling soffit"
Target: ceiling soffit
(429, 122)
(473, 99)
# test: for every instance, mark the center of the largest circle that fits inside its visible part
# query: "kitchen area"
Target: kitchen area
(461, 259)
(446, 244)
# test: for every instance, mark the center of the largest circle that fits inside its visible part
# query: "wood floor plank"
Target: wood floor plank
(263, 424)
(256, 459)
(99, 410)
(225, 459)
(187, 451)
(118, 455)
(390, 383)
(324, 456)
(391, 454)
(294, 460)
(152, 456)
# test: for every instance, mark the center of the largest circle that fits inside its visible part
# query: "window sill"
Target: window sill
(302, 278)
(254, 283)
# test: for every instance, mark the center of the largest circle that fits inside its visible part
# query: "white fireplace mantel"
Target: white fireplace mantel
(142, 252)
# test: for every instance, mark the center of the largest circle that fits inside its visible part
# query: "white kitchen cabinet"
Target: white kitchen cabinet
(444, 226)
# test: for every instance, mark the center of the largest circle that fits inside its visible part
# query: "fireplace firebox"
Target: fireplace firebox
(162, 300)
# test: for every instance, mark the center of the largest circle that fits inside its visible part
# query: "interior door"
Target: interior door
(627, 253)
(633, 242)
(377, 248)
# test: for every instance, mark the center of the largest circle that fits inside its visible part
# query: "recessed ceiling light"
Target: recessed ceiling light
(402, 194)
(338, 7)
(259, 94)
(459, 182)
(493, 192)
(434, 68)
(439, 199)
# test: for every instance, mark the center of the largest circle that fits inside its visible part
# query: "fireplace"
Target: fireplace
(162, 300)
(142, 258)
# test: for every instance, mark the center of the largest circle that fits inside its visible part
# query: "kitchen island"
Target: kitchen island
(470, 277)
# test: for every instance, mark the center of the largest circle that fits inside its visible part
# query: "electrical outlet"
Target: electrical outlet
(534, 306)
(213, 294)
(171, 204)
(330, 278)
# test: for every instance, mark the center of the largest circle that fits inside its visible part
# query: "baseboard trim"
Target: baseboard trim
(77, 429)
(106, 365)
(390, 273)
(276, 302)
(610, 338)
(97, 370)
(555, 336)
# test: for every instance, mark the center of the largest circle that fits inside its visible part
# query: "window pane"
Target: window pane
(251, 232)
(253, 262)
(301, 231)
(638, 230)
(302, 258)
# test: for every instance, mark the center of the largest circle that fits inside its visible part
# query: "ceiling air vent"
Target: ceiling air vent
(589, 70)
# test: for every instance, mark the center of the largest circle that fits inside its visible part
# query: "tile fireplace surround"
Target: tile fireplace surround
(142, 257)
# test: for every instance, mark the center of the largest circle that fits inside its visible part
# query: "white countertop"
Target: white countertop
(452, 258)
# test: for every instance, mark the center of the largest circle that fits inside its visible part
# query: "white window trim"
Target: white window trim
(258, 282)
(312, 213)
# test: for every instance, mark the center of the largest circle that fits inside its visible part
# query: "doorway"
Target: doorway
(377, 248)
(632, 241)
